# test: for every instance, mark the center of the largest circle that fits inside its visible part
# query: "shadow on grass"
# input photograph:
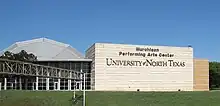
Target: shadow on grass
(77, 100)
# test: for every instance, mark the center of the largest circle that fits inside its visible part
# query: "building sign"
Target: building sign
(151, 62)
(145, 52)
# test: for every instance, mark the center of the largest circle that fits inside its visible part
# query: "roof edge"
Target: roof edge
(41, 60)
(143, 45)
(10, 48)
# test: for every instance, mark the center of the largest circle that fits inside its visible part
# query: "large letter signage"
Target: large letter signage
(145, 52)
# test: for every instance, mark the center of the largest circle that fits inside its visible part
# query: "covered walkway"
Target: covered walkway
(18, 75)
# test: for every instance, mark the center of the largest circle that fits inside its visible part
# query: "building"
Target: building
(108, 67)
(123, 67)
(49, 53)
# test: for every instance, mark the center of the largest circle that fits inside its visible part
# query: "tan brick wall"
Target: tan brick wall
(201, 75)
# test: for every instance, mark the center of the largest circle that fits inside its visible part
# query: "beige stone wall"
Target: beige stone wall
(129, 73)
(201, 75)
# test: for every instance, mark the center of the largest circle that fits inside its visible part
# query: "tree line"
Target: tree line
(20, 56)
(214, 75)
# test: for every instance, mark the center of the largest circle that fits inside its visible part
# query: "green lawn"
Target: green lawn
(30, 98)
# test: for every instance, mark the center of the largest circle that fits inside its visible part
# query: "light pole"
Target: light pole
(84, 90)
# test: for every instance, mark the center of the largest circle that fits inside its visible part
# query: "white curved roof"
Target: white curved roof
(47, 50)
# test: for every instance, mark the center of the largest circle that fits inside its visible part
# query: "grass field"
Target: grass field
(30, 98)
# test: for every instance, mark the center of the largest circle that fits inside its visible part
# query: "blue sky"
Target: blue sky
(84, 22)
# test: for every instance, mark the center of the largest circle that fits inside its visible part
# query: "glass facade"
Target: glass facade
(16, 82)
(85, 66)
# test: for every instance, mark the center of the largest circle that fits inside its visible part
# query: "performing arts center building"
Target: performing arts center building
(107, 67)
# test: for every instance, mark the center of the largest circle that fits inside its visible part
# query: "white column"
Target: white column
(16, 83)
(0, 86)
(48, 79)
(47, 82)
(69, 81)
(32, 81)
(37, 83)
(32, 85)
(84, 90)
(5, 86)
(81, 79)
(12, 85)
(74, 93)
(20, 83)
(59, 74)
(68, 85)
(58, 84)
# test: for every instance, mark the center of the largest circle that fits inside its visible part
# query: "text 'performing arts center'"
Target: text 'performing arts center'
(106, 67)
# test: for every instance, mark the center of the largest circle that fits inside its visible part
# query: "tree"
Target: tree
(214, 75)
(21, 56)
